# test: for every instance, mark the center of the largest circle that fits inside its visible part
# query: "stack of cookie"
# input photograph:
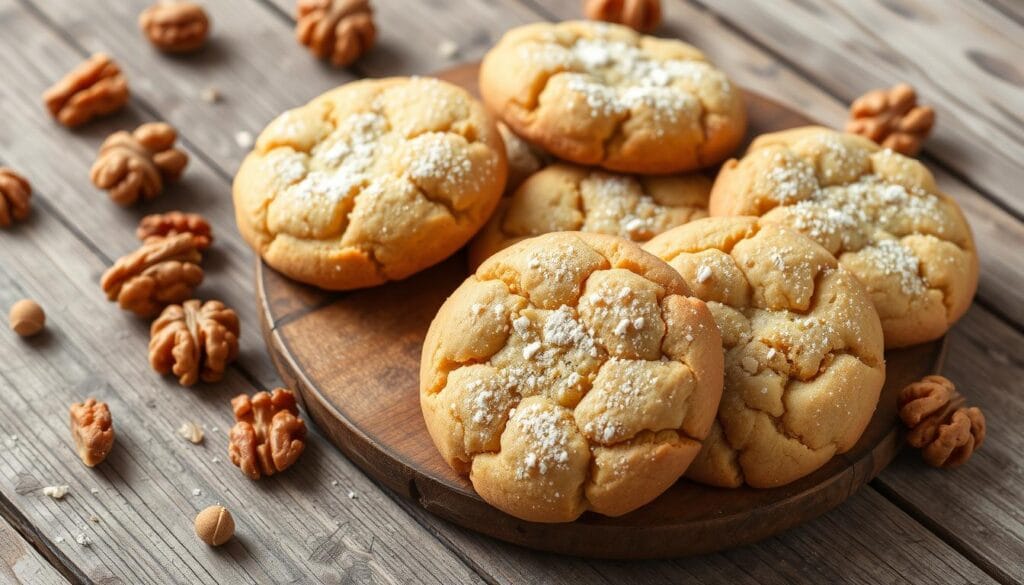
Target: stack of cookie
(575, 370)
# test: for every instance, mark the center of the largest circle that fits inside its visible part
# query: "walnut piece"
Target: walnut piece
(946, 432)
(269, 435)
(341, 30)
(93, 431)
(641, 15)
(134, 165)
(892, 118)
(94, 88)
(15, 193)
(162, 225)
(155, 275)
(175, 27)
(194, 340)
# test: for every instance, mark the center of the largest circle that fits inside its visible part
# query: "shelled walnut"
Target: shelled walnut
(339, 30)
(154, 276)
(641, 15)
(175, 27)
(269, 435)
(15, 194)
(162, 225)
(94, 88)
(93, 431)
(946, 432)
(194, 340)
(135, 165)
(892, 118)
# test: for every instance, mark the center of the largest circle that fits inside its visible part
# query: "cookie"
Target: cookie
(565, 197)
(524, 159)
(879, 212)
(602, 94)
(370, 182)
(571, 372)
(804, 361)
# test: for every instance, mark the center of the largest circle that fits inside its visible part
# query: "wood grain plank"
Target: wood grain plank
(963, 57)
(866, 540)
(20, 564)
(298, 526)
(996, 232)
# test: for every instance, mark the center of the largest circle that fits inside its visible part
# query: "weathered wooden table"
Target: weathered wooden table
(324, 521)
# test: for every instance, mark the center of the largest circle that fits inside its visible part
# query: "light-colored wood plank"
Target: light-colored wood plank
(866, 540)
(298, 526)
(20, 564)
(964, 58)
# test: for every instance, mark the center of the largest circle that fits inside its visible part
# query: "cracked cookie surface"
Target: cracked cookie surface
(571, 372)
(602, 94)
(370, 182)
(565, 197)
(804, 362)
(879, 212)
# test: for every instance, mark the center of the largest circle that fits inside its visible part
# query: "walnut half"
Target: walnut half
(175, 27)
(940, 425)
(154, 276)
(269, 435)
(94, 88)
(15, 193)
(158, 226)
(341, 30)
(93, 431)
(194, 340)
(133, 166)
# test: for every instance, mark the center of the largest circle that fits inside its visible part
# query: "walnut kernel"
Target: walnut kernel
(946, 432)
(157, 274)
(269, 435)
(341, 30)
(15, 193)
(194, 340)
(892, 118)
(134, 165)
(175, 27)
(93, 431)
(162, 225)
(640, 15)
(94, 88)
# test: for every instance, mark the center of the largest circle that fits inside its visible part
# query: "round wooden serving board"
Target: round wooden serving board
(354, 359)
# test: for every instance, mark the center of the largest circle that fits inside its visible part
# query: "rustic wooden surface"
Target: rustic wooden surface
(354, 359)
(913, 524)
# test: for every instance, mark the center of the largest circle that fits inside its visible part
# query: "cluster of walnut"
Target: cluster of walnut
(269, 435)
(93, 431)
(194, 341)
(338, 30)
(158, 226)
(15, 193)
(892, 118)
(641, 15)
(159, 273)
(94, 88)
(133, 166)
(175, 27)
(940, 425)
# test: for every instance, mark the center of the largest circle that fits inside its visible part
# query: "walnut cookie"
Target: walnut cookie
(564, 197)
(879, 212)
(804, 361)
(602, 94)
(571, 372)
(370, 182)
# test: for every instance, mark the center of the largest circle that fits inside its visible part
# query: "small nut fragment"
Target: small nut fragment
(92, 430)
(341, 30)
(26, 318)
(215, 526)
(946, 432)
(892, 118)
(191, 432)
(15, 193)
(269, 435)
(154, 276)
(94, 88)
(56, 492)
(641, 15)
(175, 27)
(162, 225)
(194, 340)
(134, 165)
